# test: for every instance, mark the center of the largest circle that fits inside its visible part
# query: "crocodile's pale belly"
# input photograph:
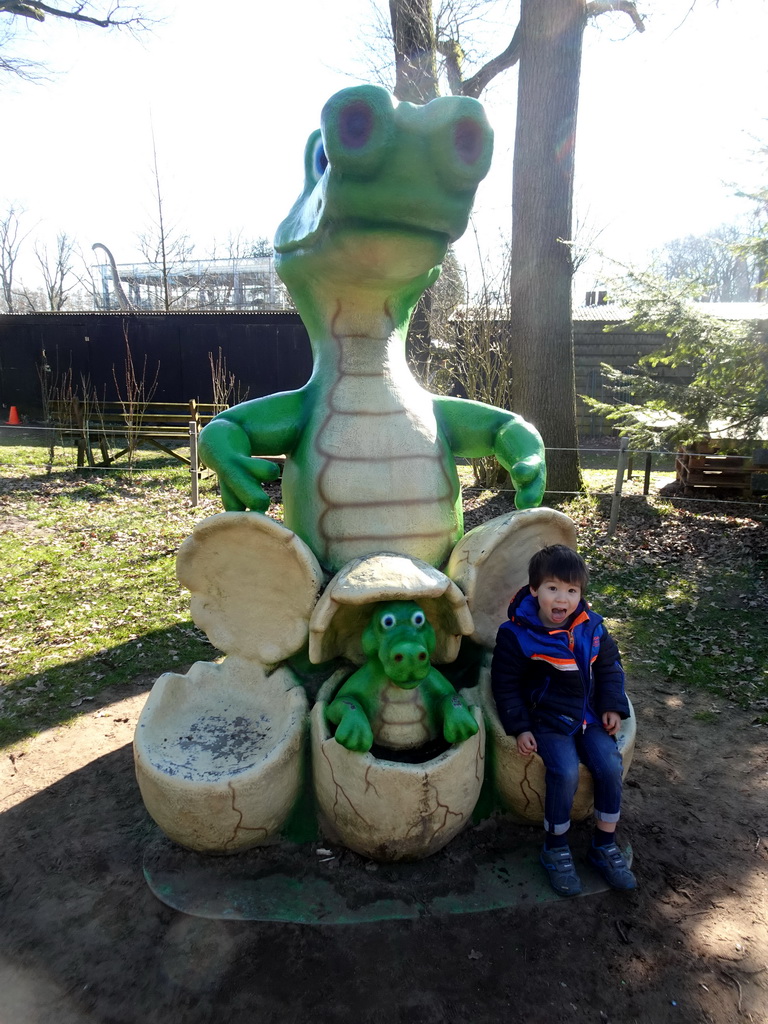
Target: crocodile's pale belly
(401, 723)
(373, 473)
(383, 479)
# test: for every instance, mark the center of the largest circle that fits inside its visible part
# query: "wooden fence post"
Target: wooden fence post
(647, 477)
(193, 463)
(616, 502)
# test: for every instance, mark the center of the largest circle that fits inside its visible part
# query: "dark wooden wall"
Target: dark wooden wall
(266, 352)
(620, 348)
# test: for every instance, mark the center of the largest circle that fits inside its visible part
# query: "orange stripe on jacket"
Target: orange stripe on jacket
(561, 664)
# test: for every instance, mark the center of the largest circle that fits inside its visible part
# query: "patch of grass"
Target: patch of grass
(684, 592)
(90, 598)
(705, 716)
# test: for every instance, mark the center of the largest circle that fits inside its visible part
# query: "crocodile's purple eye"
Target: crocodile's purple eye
(355, 124)
(468, 140)
(388, 621)
(418, 618)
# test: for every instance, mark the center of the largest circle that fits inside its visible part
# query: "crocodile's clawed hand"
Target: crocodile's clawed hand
(529, 477)
(353, 730)
(458, 721)
(241, 485)
(520, 449)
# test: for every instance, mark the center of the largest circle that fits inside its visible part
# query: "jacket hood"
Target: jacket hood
(524, 608)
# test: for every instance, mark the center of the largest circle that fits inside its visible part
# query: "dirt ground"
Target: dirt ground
(85, 940)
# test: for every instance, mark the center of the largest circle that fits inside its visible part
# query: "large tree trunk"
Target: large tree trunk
(543, 385)
(413, 35)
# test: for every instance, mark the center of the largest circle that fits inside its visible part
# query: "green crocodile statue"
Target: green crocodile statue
(397, 699)
(369, 453)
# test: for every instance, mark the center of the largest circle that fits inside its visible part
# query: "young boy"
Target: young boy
(559, 688)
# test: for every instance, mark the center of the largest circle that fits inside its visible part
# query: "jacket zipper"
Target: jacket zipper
(571, 645)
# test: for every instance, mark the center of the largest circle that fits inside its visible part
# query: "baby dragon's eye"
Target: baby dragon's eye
(387, 621)
(418, 618)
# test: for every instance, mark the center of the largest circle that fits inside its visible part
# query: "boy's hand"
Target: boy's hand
(526, 743)
(611, 722)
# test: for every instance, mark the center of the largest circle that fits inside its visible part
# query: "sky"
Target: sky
(669, 123)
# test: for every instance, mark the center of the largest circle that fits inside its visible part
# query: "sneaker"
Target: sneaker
(561, 870)
(610, 862)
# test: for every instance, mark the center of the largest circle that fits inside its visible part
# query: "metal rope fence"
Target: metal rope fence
(49, 439)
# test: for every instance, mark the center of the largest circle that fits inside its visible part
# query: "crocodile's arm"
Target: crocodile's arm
(474, 430)
(448, 707)
(263, 426)
(355, 707)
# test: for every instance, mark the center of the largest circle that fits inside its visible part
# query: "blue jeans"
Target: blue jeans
(561, 755)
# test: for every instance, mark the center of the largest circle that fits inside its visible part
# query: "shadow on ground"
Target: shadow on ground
(85, 940)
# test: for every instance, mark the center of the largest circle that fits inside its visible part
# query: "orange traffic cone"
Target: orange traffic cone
(13, 418)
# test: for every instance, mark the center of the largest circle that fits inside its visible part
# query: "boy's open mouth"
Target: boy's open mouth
(559, 614)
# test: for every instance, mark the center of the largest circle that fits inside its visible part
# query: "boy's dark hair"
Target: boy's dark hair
(558, 562)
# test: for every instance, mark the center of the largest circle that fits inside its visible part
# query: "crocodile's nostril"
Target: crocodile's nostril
(468, 140)
(355, 124)
(398, 657)
(422, 656)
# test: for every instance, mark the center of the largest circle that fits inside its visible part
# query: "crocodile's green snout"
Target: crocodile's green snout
(402, 639)
(374, 165)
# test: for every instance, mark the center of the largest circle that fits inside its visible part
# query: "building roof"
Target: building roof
(614, 313)
(604, 313)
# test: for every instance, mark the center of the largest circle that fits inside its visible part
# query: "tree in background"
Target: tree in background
(478, 366)
(166, 248)
(754, 248)
(57, 271)
(260, 248)
(714, 263)
(11, 241)
(547, 42)
(414, 38)
(66, 278)
(541, 350)
(13, 13)
(719, 370)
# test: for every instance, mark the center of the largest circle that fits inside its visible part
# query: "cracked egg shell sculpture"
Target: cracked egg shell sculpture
(369, 801)
(519, 779)
(218, 751)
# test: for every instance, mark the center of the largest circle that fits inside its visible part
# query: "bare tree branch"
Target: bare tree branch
(28, 70)
(107, 14)
(112, 19)
(56, 269)
(449, 47)
(508, 58)
(451, 51)
(22, 10)
(596, 7)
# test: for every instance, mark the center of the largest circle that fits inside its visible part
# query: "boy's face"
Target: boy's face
(557, 601)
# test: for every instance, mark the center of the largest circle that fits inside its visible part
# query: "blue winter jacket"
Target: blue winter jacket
(555, 678)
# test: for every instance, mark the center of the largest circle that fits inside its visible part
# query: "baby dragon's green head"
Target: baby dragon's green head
(402, 640)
